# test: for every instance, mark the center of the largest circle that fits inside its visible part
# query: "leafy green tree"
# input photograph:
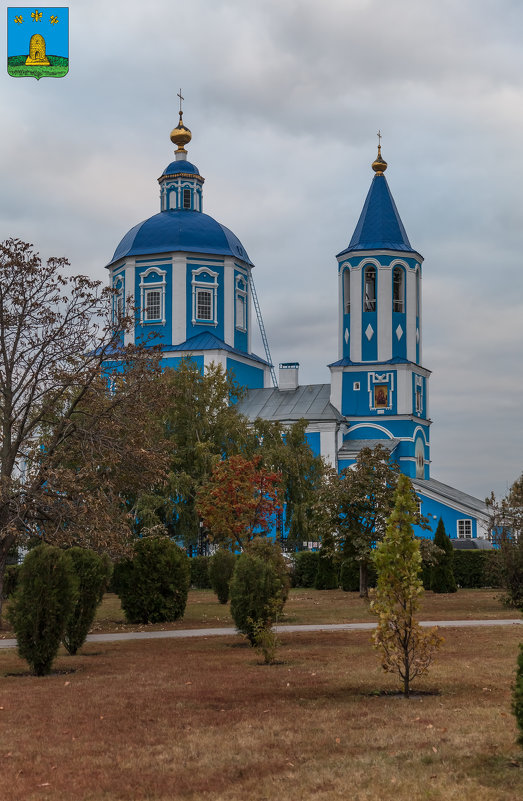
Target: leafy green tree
(327, 572)
(406, 648)
(285, 450)
(356, 504)
(92, 572)
(42, 604)
(221, 568)
(154, 585)
(442, 573)
(202, 425)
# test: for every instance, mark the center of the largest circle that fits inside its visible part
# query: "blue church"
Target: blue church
(189, 277)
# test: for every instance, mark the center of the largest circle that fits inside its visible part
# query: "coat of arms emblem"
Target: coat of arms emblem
(38, 42)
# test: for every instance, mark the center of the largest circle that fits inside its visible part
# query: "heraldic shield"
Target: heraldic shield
(38, 42)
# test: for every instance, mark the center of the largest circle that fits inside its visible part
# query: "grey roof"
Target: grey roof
(311, 401)
(446, 493)
(472, 545)
(352, 447)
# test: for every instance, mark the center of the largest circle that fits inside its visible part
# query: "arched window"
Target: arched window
(241, 304)
(370, 289)
(187, 198)
(346, 291)
(398, 290)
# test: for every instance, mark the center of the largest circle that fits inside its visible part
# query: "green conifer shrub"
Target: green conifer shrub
(517, 697)
(442, 573)
(11, 576)
(257, 594)
(93, 573)
(270, 552)
(327, 573)
(154, 584)
(306, 567)
(42, 604)
(200, 572)
(221, 568)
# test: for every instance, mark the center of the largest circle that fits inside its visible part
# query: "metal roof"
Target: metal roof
(208, 341)
(379, 226)
(311, 401)
(180, 230)
(452, 495)
(181, 166)
(352, 447)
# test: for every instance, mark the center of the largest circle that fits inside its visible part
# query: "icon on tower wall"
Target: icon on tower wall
(38, 42)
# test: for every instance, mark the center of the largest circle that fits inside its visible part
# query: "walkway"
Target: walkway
(229, 632)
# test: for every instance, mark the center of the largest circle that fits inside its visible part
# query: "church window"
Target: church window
(204, 296)
(398, 290)
(370, 289)
(203, 304)
(187, 198)
(465, 529)
(152, 296)
(153, 305)
(241, 304)
(346, 291)
(119, 301)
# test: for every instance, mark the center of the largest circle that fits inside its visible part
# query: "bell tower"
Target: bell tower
(378, 382)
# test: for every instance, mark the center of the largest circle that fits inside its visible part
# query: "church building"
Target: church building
(190, 279)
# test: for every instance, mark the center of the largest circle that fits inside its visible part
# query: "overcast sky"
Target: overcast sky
(284, 99)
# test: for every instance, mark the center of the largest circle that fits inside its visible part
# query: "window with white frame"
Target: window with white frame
(369, 303)
(204, 294)
(241, 304)
(119, 301)
(187, 198)
(152, 296)
(465, 529)
(398, 290)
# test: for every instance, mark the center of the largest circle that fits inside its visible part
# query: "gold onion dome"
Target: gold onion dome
(181, 135)
(380, 165)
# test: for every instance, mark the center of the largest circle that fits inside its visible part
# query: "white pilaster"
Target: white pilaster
(355, 315)
(384, 293)
(179, 300)
(130, 270)
(228, 302)
(411, 315)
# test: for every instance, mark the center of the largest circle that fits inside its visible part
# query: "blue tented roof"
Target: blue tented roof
(208, 341)
(379, 226)
(180, 230)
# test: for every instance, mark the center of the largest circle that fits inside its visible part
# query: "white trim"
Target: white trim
(179, 301)
(228, 301)
(130, 274)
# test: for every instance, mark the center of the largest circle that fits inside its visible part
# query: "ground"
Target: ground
(196, 719)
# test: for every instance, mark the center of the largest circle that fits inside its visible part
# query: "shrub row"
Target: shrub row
(477, 569)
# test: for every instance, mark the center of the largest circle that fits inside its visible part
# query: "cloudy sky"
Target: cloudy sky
(284, 99)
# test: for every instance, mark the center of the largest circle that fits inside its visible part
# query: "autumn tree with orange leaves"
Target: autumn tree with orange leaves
(239, 501)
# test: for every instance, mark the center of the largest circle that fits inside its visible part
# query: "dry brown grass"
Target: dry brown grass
(197, 719)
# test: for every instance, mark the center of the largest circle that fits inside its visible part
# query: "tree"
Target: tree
(406, 648)
(154, 584)
(442, 573)
(42, 604)
(71, 439)
(239, 501)
(258, 589)
(221, 568)
(356, 505)
(92, 573)
(506, 526)
(202, 425)
(517, 695)
(284, 449)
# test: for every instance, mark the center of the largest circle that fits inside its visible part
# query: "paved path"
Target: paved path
(183, 633)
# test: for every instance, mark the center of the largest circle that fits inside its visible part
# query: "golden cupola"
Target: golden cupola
(379, 165)
(181, 136)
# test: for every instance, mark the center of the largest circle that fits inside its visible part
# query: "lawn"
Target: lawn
(315, 606)
(202, 719)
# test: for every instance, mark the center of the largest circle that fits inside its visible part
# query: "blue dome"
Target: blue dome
(180, 166)
(180, 230)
